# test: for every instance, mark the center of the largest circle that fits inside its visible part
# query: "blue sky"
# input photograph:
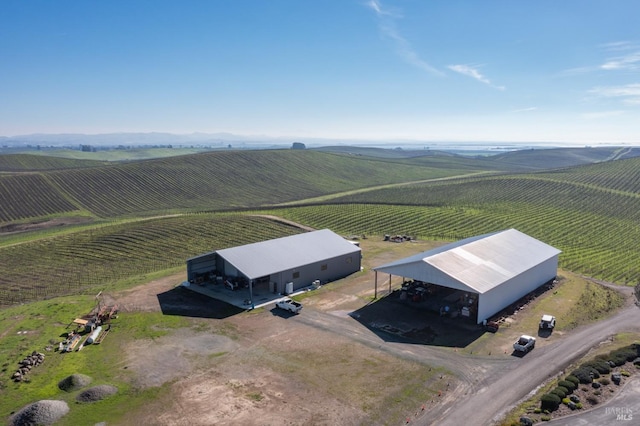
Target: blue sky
(426, 70)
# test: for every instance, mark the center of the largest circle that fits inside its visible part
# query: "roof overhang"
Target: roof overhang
(476, 264)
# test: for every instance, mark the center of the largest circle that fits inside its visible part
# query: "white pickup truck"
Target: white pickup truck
(524, 343)
(289, 305)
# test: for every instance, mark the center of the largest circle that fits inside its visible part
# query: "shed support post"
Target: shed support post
(375, 293)
(251, 294)
(389, 283)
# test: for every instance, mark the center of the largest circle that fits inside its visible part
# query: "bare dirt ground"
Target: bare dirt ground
(265, 367)
(15, 228)
(342, 361)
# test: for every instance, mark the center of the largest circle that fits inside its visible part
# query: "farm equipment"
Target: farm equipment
(69, 344)
(102, 335)
(91, 326)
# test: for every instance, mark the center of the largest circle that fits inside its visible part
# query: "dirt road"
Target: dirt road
(506, 387)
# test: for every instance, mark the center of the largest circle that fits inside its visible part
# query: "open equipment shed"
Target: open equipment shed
(281, 265)
(493, 269)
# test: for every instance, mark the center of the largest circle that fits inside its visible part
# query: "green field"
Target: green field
(209, 181)
(70, 228)
(143, 217)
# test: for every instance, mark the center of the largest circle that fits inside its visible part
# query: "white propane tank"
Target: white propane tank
(94, 335)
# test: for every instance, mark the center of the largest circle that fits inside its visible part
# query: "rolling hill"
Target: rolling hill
(150, 215)
(215, 181)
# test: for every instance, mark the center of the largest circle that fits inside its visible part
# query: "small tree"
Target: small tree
(298, 145)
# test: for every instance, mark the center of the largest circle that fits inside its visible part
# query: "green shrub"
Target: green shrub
(583, 374)
(573, 379)
(537, 411)
(601, 366)
(545, 418)
(560, 391)
(604, 381)
(618, 359)
(550, 402)
(566, 401)
(579, 405)
(628, 353)
(625, 373)
(569, 385)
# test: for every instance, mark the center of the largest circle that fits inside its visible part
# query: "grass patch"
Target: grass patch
(255, 396)
(42, 325)
(595, 302)
(574, 301)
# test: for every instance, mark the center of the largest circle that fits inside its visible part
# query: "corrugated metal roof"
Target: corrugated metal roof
(272, 256)
(482, 262)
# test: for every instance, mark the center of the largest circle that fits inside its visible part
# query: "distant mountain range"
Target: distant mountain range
(222, 139)
(177, 140)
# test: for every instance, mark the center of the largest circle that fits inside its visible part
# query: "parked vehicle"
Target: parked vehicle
(524, 343)
(289, 305)
(548, 322)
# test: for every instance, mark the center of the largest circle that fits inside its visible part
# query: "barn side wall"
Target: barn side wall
(508, 292)
(336, 268)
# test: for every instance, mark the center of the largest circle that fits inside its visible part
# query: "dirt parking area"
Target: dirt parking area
(266, 367)
(343, 361)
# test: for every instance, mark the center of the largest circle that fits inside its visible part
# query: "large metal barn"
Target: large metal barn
(260, 272)
(480, 275)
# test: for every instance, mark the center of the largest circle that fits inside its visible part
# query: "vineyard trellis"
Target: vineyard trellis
(98, 258)
(591, 213)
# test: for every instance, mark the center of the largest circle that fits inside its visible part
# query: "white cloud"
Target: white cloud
(627, 58)
(618, 46)
(630, 61)
(629, 94)
(387, 25)
(473, 73)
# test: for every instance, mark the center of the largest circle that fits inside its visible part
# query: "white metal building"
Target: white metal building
(499, 268)
(270, 266)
